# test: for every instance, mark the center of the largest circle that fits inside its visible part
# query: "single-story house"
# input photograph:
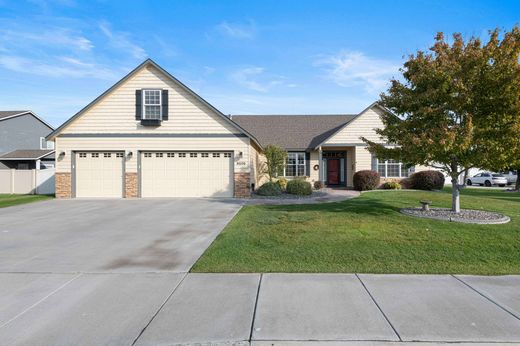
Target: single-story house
(149, 135)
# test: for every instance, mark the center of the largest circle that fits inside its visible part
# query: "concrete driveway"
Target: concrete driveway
(113, 272)
(99, 236)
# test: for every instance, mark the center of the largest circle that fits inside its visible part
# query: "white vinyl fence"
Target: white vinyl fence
(27, 181)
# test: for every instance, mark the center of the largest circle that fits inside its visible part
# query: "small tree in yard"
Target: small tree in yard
(457, 107)
(275, 161)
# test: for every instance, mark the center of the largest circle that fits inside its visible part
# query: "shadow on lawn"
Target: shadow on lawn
(501, 195)
(362, 206)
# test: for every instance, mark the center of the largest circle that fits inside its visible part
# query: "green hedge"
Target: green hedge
(427, 180)
(366, 180)
(299, 187)
(269, 189)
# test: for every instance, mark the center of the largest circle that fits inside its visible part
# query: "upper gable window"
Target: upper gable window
(152, 104)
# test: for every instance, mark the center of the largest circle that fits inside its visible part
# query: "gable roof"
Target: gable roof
(372, 105)
(28, 154)
(293, 132)
(4, 115)
(149, 62)
(8, 114)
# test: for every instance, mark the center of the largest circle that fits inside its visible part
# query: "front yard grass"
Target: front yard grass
(10, 200)
(369, 235)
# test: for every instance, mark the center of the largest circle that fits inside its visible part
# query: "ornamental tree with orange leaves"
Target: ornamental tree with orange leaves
(457, 106)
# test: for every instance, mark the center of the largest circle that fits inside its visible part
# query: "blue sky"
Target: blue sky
(244, 57)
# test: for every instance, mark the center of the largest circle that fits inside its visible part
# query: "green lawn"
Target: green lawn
(369, 235)
(10, 200)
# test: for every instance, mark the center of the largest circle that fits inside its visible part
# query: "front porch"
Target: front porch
(337, 166)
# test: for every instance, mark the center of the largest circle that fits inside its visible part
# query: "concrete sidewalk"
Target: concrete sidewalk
(269, 309)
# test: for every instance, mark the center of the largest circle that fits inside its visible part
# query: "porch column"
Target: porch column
(320, 165)
(38, 164)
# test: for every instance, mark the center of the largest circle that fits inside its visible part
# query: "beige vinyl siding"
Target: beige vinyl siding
(363, 158)
(362, 126)
(315, 160)
(115, 113)
(257, 163)
(351, 165)
(135, 144)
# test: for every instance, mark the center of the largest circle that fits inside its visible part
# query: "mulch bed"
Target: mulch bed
(465, 215)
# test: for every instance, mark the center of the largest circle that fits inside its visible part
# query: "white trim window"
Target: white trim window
(152, 104)
(393, 169)
(45, 144)
(295, 166)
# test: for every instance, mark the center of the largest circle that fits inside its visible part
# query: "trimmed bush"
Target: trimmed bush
(366, 180)
(391, 185)
(282, 182)
(269, 189)
(406, 183)
(299, 187)
(427, 180)
(318, 185)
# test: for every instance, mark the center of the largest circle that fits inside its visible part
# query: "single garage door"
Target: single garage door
(99, 174)
(186, 174)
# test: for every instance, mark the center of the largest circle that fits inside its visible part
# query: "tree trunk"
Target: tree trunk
(517, 184)
(455, 195)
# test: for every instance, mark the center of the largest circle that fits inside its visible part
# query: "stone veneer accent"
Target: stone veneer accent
(63, 185)
(242, 185)
(131, 185)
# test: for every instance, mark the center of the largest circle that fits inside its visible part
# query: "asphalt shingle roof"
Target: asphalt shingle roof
(5, 114)
(292, 131)
(31, 154)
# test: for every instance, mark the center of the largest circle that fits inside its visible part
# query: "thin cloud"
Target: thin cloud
(237, 31)
(56, 37)
(121, 40)
(352, 69)
(245, 77)
(255, 78)
(57, 68)
(246, 103)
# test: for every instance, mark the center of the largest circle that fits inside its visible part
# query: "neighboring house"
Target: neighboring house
(22, 141)
(151, 136)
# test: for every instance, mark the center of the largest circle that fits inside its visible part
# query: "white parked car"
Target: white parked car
(488, 179)
(511, 177)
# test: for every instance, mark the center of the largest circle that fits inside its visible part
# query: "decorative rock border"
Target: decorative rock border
(465, 216)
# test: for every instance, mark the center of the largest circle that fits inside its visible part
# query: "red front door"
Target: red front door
(333, 171)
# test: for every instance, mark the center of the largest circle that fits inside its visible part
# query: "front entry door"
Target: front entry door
(333, 172)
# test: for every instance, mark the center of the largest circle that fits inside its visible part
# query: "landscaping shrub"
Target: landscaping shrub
(282, 182)
(269, 189)
(318, 185)
(391, 185)
(406, 183)
(299, 187)
(427, 180)
(366, 180)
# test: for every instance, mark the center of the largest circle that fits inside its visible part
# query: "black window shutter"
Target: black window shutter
(308, 164)
(138, 104)
(164, 105)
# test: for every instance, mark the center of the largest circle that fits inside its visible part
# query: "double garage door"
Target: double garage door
(162, 174)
